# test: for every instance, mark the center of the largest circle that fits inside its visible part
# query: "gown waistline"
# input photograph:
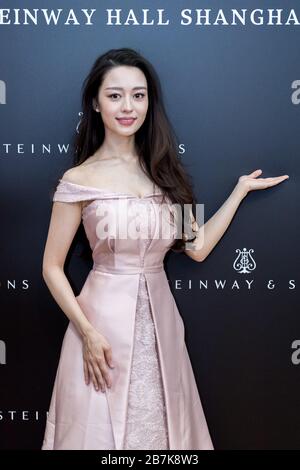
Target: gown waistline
(128, 269)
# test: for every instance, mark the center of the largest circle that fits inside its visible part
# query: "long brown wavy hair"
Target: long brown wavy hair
(155, 141)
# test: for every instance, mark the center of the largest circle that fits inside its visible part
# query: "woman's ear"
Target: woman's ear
(95, 105)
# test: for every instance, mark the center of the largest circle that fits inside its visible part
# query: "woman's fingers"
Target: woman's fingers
(108, 356)
(255, 173)
(105, 375)
(103, 370)
(258, 172)
(99, 378)
(276, 180)
(95, 375)
(86, 373)
(263, 183)
(282, 177)
(92, 375)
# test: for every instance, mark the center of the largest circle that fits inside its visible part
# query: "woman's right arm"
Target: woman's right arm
(64, 222)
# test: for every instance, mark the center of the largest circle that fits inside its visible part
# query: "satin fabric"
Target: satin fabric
(80, 417)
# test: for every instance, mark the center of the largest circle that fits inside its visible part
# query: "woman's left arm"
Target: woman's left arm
(208, 235)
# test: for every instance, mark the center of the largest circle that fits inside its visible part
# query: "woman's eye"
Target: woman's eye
(117, 94)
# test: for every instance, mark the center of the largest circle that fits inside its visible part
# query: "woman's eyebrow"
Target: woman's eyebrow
(120, 88)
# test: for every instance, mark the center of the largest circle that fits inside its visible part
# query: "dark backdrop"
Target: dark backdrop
(231, 94)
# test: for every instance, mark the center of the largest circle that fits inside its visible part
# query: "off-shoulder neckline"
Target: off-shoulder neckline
(108, 190)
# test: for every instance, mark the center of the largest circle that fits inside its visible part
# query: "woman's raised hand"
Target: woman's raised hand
(251, 182)
(97, 355)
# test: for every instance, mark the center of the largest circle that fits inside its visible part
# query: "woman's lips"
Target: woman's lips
(126, 122)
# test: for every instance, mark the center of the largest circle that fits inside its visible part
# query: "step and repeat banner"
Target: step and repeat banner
(230, 76)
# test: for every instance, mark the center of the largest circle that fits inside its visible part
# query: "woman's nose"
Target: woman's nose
(127, 104)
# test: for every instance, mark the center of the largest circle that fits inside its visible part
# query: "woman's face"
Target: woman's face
(123, 94)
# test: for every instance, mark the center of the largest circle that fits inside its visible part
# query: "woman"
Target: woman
(124, 379)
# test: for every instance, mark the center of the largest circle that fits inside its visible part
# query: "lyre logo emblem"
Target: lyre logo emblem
(244, 262)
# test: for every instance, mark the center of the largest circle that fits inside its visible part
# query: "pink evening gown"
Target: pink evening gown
(154, 401)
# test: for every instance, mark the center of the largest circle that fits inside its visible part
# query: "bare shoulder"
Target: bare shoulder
(79, 174)
(92, 172)
(89, 173)
(73, 175)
